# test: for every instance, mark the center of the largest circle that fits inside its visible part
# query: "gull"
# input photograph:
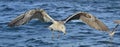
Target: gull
(117, 22)
(114, 29)
(58, 25)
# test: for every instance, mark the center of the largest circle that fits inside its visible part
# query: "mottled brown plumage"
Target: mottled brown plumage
(89, 19)
(39, 14)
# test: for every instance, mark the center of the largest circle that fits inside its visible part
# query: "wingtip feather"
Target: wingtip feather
(117, 21)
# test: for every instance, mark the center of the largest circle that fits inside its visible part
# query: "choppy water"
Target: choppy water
(36, 34)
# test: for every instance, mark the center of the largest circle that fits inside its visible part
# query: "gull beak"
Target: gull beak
(64, 33)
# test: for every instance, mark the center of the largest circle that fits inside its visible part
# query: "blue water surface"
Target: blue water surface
(37, 34)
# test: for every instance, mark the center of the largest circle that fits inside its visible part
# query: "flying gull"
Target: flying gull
(41, 15)
(117, 22)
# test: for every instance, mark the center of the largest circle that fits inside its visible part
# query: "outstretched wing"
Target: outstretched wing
(117, 21)
(89, 20)
(29, 15)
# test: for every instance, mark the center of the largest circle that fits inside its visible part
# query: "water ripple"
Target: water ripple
(37, 34)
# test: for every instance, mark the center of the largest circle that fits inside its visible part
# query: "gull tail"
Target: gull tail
(111, 34)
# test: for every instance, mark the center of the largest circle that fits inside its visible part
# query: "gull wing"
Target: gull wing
(89, 19)
(117, 21)
(39, 14)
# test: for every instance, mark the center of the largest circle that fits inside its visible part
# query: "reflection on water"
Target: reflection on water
(36, 34)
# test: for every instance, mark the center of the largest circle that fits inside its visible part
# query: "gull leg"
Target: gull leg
(58, 35)
(53, 35)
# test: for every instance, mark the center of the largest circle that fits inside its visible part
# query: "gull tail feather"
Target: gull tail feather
(111, 34)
